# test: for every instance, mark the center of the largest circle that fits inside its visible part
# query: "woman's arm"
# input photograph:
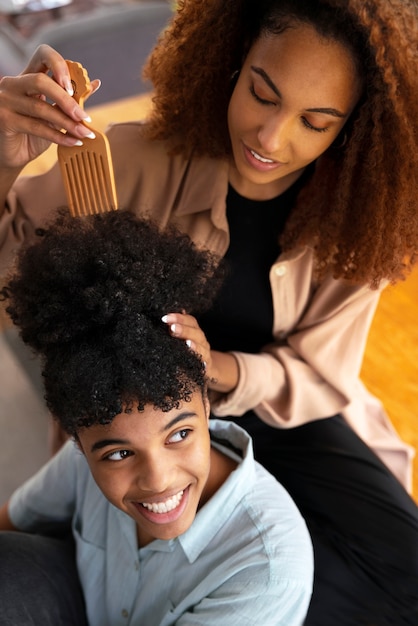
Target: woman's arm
(311, 372)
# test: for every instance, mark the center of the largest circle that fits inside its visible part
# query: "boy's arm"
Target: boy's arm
(237, 604)
(5, 521)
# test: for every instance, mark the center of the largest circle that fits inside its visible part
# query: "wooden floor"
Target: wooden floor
(390, 366)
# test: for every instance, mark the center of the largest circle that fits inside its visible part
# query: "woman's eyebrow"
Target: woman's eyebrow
(273, 87)
(266, 78)
(328, 111)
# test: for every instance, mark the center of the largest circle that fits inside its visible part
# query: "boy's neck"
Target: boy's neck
(221, 467)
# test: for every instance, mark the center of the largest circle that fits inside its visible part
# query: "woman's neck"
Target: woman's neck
(254, 191)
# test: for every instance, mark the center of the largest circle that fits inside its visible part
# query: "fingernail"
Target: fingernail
(86, 132)
(164, 319)
(87, 118)
(188, 343)
(69, 88)
(173, 328)
(74, 142)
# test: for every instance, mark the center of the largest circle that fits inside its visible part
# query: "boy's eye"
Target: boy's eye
(118, 455)
(180, 435)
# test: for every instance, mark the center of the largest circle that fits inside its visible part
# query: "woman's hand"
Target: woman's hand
(36, 109)
(221, 367)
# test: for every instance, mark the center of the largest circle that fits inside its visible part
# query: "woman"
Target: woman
(284, 138)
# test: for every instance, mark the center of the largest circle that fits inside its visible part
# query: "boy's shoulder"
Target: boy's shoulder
(253, 503)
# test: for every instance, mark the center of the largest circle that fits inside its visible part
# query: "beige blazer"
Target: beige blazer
(312, 369)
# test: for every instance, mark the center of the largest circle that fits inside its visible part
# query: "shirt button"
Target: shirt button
(125, 613)
(280, 270)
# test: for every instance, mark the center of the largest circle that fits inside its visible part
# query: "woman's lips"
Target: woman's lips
(258, 161)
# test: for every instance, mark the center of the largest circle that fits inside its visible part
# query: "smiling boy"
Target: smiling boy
(173, 520)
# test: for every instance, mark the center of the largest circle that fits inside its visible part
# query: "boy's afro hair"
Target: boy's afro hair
(89, 296)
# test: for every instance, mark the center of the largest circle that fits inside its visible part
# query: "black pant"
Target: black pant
(39, 583)
(363, 524)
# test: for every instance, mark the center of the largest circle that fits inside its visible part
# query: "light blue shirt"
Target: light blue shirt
(246, 560)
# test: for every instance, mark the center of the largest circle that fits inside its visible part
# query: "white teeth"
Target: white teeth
(164, 507)
(260, 158)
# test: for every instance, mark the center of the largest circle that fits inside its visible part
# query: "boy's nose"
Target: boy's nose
(153, 476)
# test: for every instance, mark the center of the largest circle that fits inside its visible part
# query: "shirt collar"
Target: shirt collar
(216, 512)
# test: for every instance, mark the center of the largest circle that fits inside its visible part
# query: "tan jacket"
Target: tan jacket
(312, 368)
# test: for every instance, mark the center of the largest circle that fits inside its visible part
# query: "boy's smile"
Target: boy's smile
(154, 465)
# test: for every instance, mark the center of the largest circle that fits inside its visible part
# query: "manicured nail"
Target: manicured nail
(87, 118)
(86, 132)
(71, 141)
(173, 328)
(188, 343)
(69, 88)
(164, 319)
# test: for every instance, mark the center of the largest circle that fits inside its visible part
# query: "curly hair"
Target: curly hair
(359, 209)
(88, 297)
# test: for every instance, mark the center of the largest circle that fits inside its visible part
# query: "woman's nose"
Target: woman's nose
(274, 135)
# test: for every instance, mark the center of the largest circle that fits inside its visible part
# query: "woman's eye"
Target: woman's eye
(118, 455)
(307, 124)
(259, 98)
(180, 435)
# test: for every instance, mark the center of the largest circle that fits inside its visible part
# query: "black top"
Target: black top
(242, 316)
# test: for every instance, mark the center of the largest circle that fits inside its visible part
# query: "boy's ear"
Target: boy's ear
(78, 443)
(206, 404)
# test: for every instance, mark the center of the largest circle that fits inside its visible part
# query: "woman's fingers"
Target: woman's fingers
(185, 327)
(46, 60)
(37, 109)
(33, 101)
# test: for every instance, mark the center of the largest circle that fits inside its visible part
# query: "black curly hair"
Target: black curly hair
(88, 297)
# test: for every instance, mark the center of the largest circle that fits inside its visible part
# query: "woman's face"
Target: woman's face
(294, 94)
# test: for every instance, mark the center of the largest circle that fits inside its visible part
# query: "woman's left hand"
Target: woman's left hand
(221, 367)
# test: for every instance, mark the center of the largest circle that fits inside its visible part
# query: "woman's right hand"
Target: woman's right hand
(37, 109)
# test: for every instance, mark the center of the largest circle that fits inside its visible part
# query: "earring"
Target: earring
(342, 142)
(234, 77)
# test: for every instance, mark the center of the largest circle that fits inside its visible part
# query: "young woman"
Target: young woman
(284, 137)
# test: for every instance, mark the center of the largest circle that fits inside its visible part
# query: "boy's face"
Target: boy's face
(152, 465)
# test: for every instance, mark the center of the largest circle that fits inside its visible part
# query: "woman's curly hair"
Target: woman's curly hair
(360, 208)
(88, 297)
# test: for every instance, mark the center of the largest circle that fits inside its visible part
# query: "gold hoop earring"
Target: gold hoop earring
(342, 142)
(234, 77)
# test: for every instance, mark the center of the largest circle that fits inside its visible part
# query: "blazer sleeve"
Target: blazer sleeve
(312, 369)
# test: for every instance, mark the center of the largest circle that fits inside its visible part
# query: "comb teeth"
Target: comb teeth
(87, 170)
(89, 190)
